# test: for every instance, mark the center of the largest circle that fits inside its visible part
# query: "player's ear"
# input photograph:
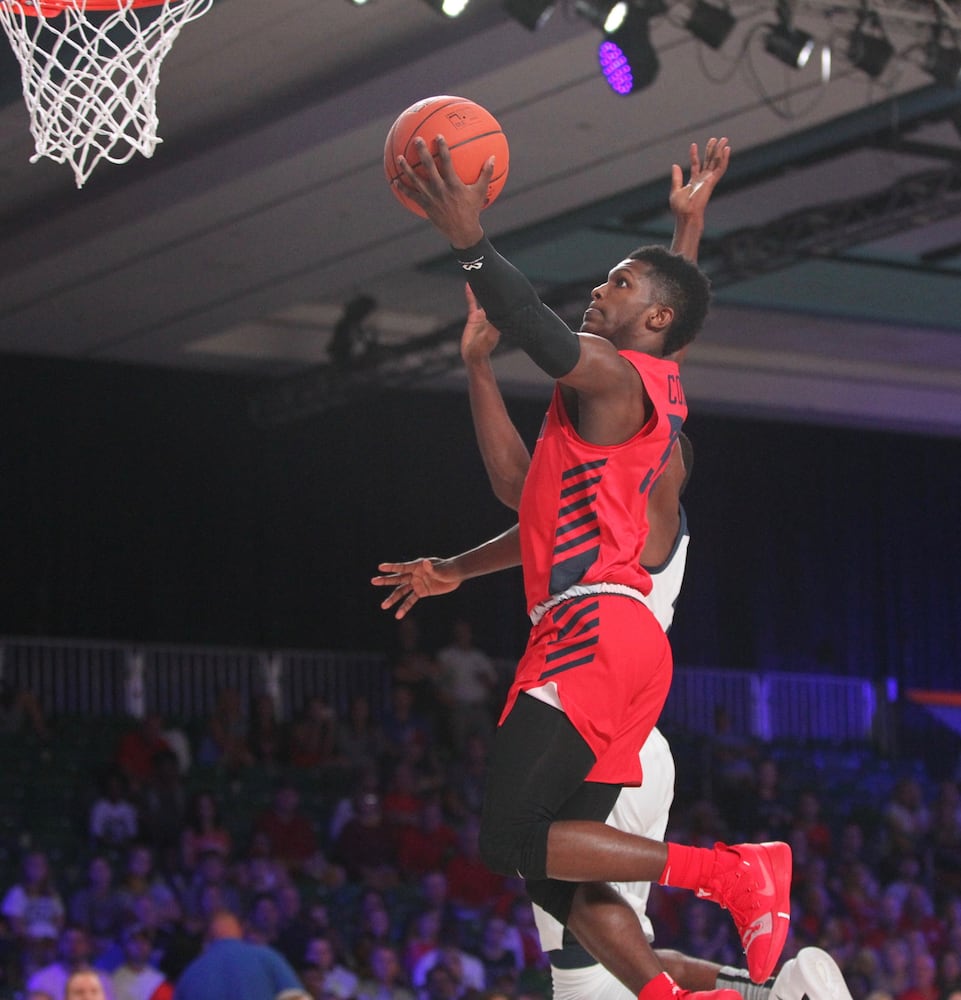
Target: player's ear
(660, 317)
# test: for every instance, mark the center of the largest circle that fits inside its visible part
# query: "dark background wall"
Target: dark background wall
(141, 504)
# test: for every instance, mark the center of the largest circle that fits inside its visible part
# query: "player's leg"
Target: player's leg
(538, 760)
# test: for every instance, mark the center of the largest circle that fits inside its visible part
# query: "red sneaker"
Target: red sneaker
(756, 889)
(662, 987)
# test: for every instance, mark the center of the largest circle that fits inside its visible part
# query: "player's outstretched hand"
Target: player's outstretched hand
(453, 206)
(692, 198)
(413, 580)
(479, 338)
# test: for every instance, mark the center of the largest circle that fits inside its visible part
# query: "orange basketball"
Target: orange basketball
(472, 133)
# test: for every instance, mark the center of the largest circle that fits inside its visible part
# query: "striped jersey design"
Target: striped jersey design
(578, 632)
(576, 544)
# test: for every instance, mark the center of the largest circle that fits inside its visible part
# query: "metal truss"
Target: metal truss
(820, 231)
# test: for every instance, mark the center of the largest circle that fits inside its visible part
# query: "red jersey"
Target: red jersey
(583, 512)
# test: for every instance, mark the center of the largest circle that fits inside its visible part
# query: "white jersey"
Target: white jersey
(667, 578)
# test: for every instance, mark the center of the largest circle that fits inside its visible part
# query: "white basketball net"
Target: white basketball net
(90, 75)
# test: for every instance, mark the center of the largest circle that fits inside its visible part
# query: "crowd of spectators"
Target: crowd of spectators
(357, 862)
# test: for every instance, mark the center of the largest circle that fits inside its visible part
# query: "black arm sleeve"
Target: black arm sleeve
(513, 306)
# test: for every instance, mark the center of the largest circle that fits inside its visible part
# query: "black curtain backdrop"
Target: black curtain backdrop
(146, 505)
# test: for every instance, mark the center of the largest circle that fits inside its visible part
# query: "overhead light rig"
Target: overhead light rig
(819, 231)
(873, 33)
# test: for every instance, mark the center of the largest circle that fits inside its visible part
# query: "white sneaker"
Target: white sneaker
(812, 975)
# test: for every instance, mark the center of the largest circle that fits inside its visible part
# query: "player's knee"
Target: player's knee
(514, 849)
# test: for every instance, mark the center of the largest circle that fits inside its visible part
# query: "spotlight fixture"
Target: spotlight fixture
(710, 24)
(533, 14)
(868, 47)
(351, 338)
(626, 56)
(791, 45)
(608, 15)
(450, 8)
(943, 63)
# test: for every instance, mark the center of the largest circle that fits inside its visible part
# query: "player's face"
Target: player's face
(621, 306)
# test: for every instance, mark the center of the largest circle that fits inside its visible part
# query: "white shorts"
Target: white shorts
(592, 983)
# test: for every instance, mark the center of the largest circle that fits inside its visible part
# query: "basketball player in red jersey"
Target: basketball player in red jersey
(642, 809)
(597, 667)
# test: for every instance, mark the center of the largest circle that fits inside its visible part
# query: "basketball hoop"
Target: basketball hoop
(90, 70)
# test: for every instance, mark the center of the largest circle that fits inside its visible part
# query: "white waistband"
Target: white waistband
(581, 590)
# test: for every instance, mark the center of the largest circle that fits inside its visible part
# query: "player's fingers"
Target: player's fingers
(392, 598)
(444, 167)
(677, 177)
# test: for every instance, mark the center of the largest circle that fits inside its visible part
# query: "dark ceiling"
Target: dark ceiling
(834, 243)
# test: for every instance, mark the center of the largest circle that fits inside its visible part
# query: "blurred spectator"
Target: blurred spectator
(907, 822)
(923, 979)
(415, 669)
(225, 737)
(20, 710)
(260, 871)
(98, 906)
(33, 906)
(209, 887)
(808, 818)
(113, 816)
(521, 923)
(263, 921)
(360, 739)
(403, 724)
(73, 955)
(440, 983)
(365, 845)
(949, 973)
(233, 969)
(313, 736)
(706, 935)
(86, 985)
(429, 844)
(373, 929)
(140, 880)
(730, 766)
(466, 969)
(295, 931)
(204, 830)
(266, 736)
(136, 978)
(769, 817)
(466, 779)
(435, 895)
(163, 810)
(401, 803)
(138, 748)
(895, 972)
(386, 979)
(946, 837)
(335, 977)
(471, 885)
(423, 936)
(467, 680)
(289, 831)
(502, 963)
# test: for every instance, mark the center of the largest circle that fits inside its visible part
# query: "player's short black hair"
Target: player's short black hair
(683, 286)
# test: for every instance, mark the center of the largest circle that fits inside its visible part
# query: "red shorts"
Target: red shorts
(612, 665)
